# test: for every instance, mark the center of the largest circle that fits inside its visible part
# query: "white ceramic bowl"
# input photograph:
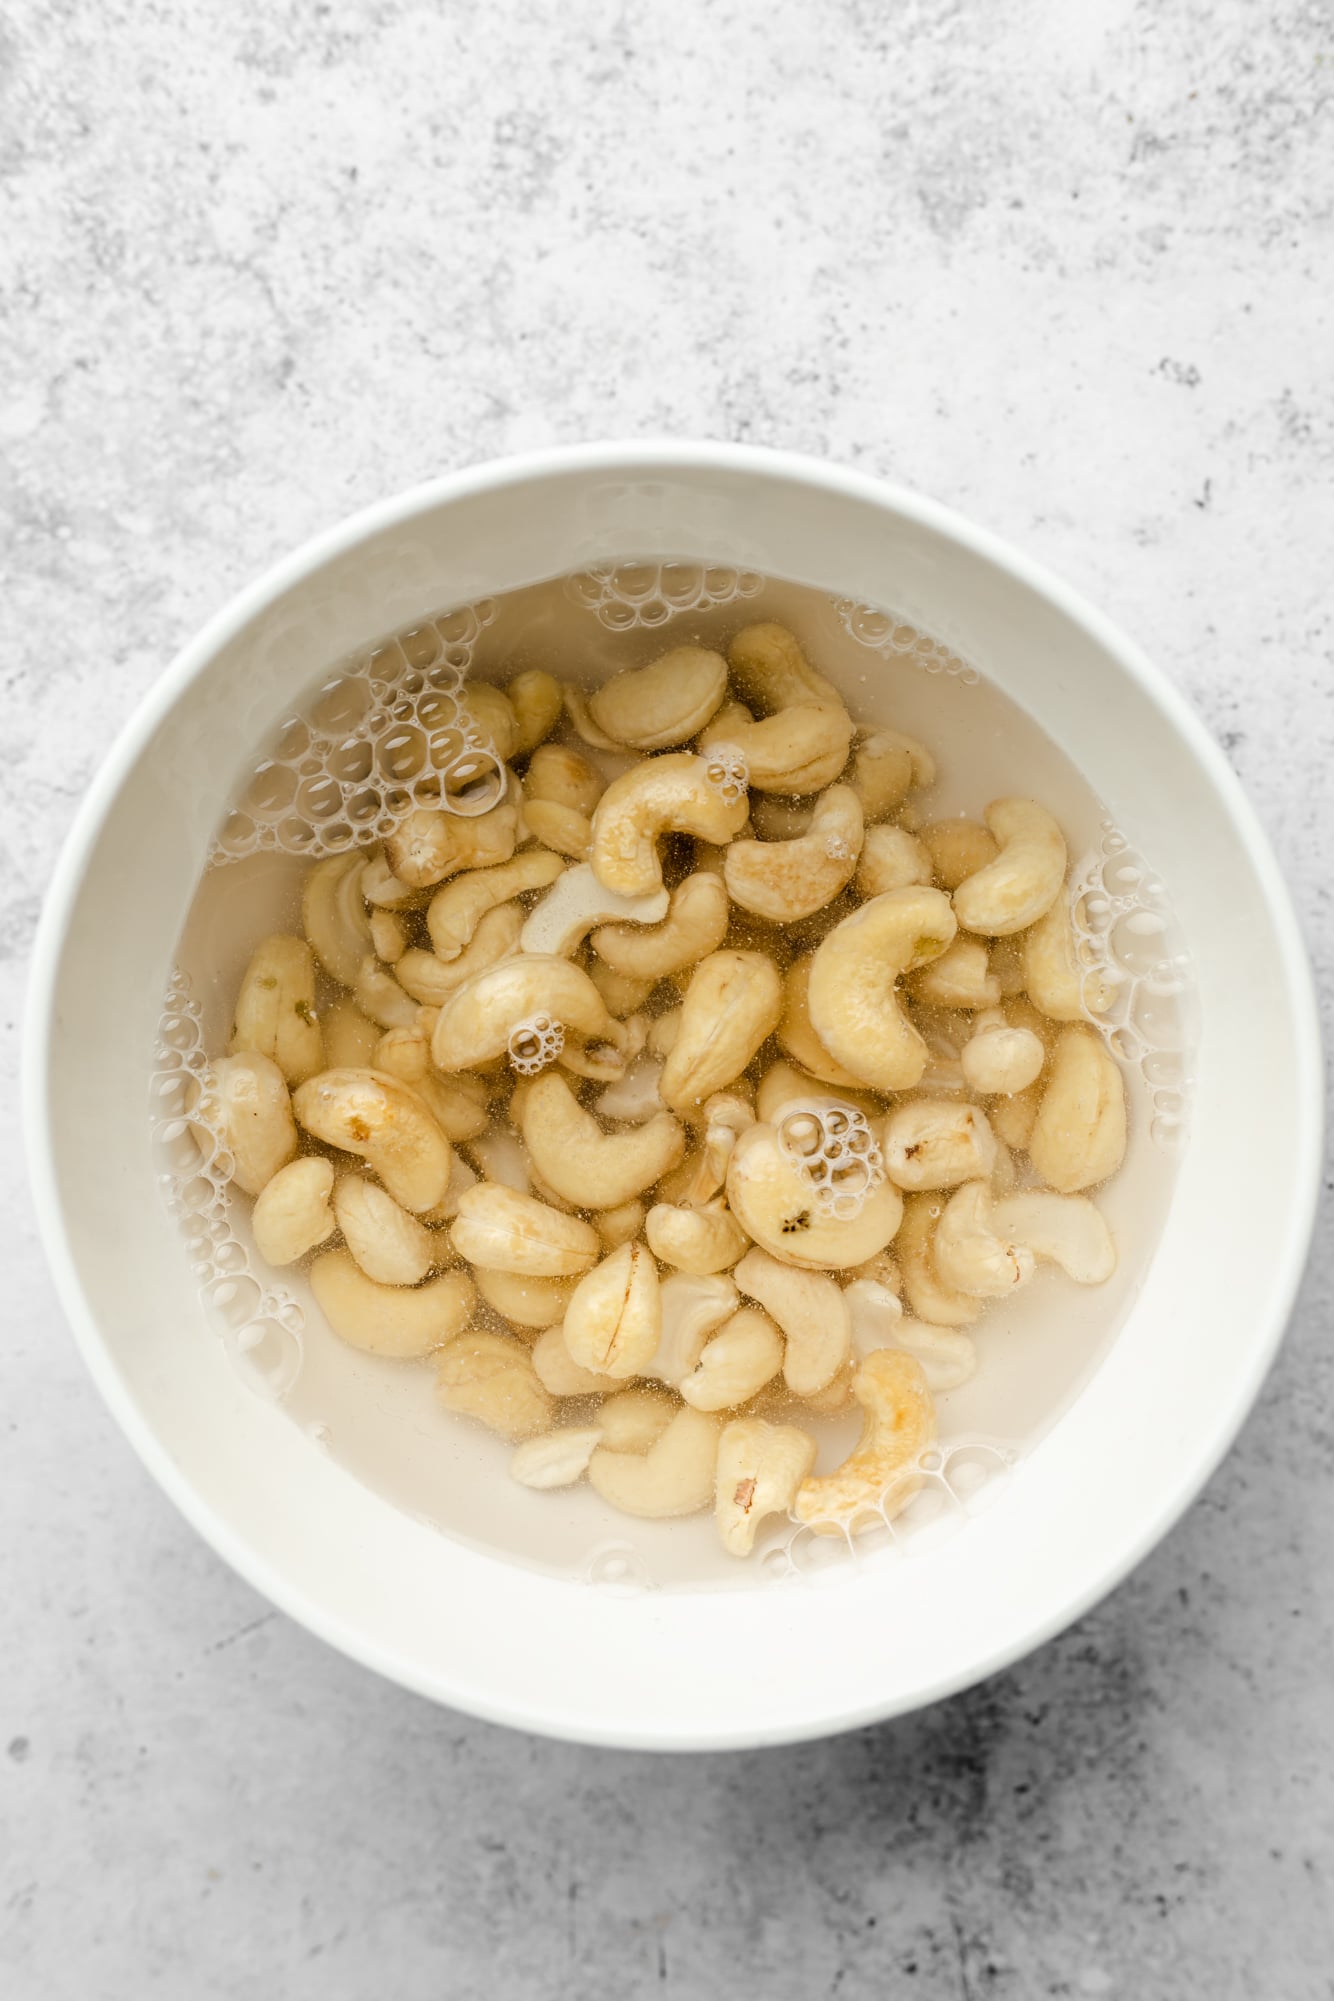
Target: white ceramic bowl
(674, 1669)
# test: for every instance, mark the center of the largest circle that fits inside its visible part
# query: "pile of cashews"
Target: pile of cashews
(694, 1084)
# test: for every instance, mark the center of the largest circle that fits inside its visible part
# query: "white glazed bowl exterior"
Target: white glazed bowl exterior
(719, 1668)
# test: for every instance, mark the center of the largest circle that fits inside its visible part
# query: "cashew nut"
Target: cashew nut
(429, 844)
(391, 1246)
(634, 1420)
(604, 1062)
(735, 1363)
(245, 1098)
(885, 767)
(732, 1004)
(1013, 1118)
(998, 1059)
(674, 1477)
(389, 935)
(693, 1305)
(590, 1167)
(555, 1458)
(726, 1114)
(771, 672)
(783, 1084)
(1025, 879)
(701, 1239)
(760, 1467)
(929, 1296)
(457, 1104)
(333, 916)
(349, 1036)
(659, 795)
(491, 1377)
(536, 700)
(376, 1115)
(493, 717)
(1056, 982)
(892, 858)
(292, 1212)
(881, 1476)
(634, 1098)
(812, 1312)
(662, 1034)
(788, 880)
(275, 1009)
(576, 708)
(960, 977)
(526, 1301)
(559, 828)
(958, 849)
(970, 1253)
(614, 1319)
(622, 996)
(575, 903)
(456, 910)
(1065, 1229)
(431, 981)
(476, 1023)
(693, 927)
(400, 1321)
(378, 994)
(380, 886)
(651, 708)
(801, 749)
(853, 1005)
(563, 776)
(1079, 1135)
(797, 1035)
(617, 1226)
(499, 1227)
(557, 1370)
(935, 1143)
(775, 1202)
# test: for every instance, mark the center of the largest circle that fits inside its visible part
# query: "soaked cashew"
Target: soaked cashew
(559, 828)
(527, 1301)
(659, 795)
(493, 714)
(971, 1253)
(801, 749)
(775, 1202)
(555, 1458)
(378, 994)
(881, 1476)
(654, 707)
(960, 977)
(693, 927)
(590, 1167)
(1064, 1229)
(999, 1060)
(604, 1062)
(788, 880)
(376, 1115)
(726, 1114)
(563, 776)
(931, 1299)
(557, 1370)
(622, 996)
(891, 858)
(349, 1036)
(536, 701)
(457, 1104)
(674, 1477)
(491, 1377)
(886, 765)
(948, 1359)
(275, 1009)
(854, 1008)
(1025, 879)
(771, 671)
(1079, 1135)
(1057, 984)
(1013, 1118)
(935, 1143)
(577, 902)
(732, 1004)
(379, 885)
(797, 1035)
(333, 916)
(499, 1227)
(456, 910)
(576, 708)
(389, 935)
(429, 845)
(292, 1212)
(662, 1035)
(619, 1225)
(634, 1420)
(783, 1084)
(399, 1321)
(702, 1239)
(431, 981)
(760, 1467)
(812, 1312)
(614, 1319)
(390, 1246)
(735, 1363)
(958, 849)
(692, 1305)
(476, 1023)
(245, 1098)
(634, 1098)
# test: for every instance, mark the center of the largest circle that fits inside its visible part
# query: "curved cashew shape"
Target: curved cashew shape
(1064, 1229)
(431, 981)
(388, 935)
(275, 1009)
(886, 765)
(732, 1004)
(693, 927)
(651, 708)
(619, 1225)
(658, 796)
(937, 1143)
(1025, 879)
(693, 1306)
(526, 1301)
(557, 1370)
(491, 1377)
(333, 916)
(998, 1059)
(812, 1312)
(498, 1226)
(699, 1240)
(725, 1115)
(381, 887)
(560, 775)
(771, 672)
(349, 1037)
(378, 994)
(970, 1254)
(853, 1006)
(621, 995)
(555, 1458)
(634, 1420)
(245, 1097)
(493, 717)
(892, 858)
(760, 1468)
(537, 701)
(783, 1083)
(735, 1363)
(634, 1098)
(376, 1115)
(292, 1212)
(559, 828)
(457, 1104)
(960, 977)
(614, 1319)
(662, 1034)
(801, 749)
(429, 844)
(930, 1297)
(788, 880)
(1057, 984)
(674, 1477)
(576, 708)
(390, 1246)
(584, 1164)
(603, 1062)
(577, 902)
(775, 1203)
(958, 848)
(475, 1023)
(881, 1476)
(948, 1358)
(400, 1321)
(1079, 1135)
(456, 910)
(797, 1035)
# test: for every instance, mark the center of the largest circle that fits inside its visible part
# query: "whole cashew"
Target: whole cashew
(892, 858)
(457, 1104)
(634, 1420)
(429, 845)
(735, 1363)
(651, 708)
(657, 796)
(812, 1312)
(1079, 1135)
(801, 749)
(886, 765)
(614, 1319)
(674, 1477)
(499, 1227)
(493, 717)
(576, 903)
(400, 1321)
(456, 910)
(948, 1359)
(970, 1254)
(937, 1143)
(619, 1225)
(998, 1059)
(590, 1167)
(563, 776)
(700, 1240)
(783, 1083)
(526, 1301)
(1056, 982)
(797, 1035)
(693, 1305)
(1064, 1229)
(960, 977)
(577, 709)
(491, 1377)
(245, 1097)
(696, 920)
(390, 1246)
(930, 1297)
(732, 1004)
(1025, 879)
(378, 994)
(475, 1023)
(333, 916)
(958, 848)
(881, 1476)
(788, 880)
(537, 701)
(559, 828)
(349, 1036)
(774, 1201)
(275, 1009)
(373, 1114)
(771, 672)
(557, 1370)
(760, 1468)
(431, 981)
(292, 1212)
(853, 1006)
(555, 1458)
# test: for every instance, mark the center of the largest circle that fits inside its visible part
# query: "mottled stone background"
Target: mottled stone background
(1067, 266)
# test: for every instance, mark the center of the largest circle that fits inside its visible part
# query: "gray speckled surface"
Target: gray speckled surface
(1064, 267)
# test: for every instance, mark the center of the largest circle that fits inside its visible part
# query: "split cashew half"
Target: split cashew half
(666, 703)
(854, 1008)
(694, 926)
(634, 1420)
(674, 1477)
(1025, 879)
(333, 916)
(292, 1212)
(499, 1227)
(812, 1312)
(785, 881)
(555, 1458)
(776, 1203)
(390, 1246)
(700, 1238)
(732, 1004)
(1079, 1135)
(245, 1098)
(491, 1377)
(937, 1143)
(587, 1166)
(560, 829)
(693, 1306)
(614, 1319)
(659, 795)
(577, 902)
(476, 1023)
(760, 1468)
(971, 1253)
(275, 1009)
(881, 1476)
(527, 1301)
(736, 1363)
(399, 1321)
(455, 911)
(371, 1113)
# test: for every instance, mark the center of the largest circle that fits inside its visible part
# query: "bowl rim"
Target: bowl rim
(647, 456)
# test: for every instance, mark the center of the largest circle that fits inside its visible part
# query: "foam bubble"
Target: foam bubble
(960, 1478)
(891, 635)
(624, 596)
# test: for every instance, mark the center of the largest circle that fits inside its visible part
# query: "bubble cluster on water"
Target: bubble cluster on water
(960, 1479)
(836, 1150)
(622, 596)
(894, 638)
(260, 1324)
(390, 732)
